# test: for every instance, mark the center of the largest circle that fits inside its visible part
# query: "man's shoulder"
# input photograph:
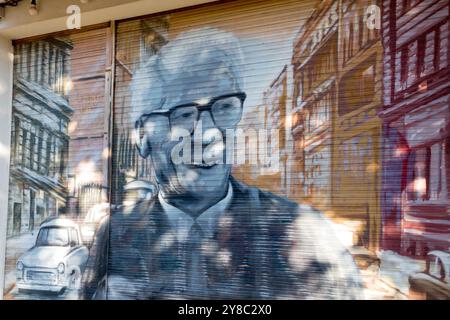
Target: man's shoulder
(274, 209)
(135, 212)
(270, 203)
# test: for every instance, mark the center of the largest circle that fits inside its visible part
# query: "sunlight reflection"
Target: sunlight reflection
(72, 127)
(420, 185)
(165, 242)
(224, 258)
(4, 152)
(106, 153)
(373, 167)
(87, 173)
(68, 86)
(400, 152)
(288, 121)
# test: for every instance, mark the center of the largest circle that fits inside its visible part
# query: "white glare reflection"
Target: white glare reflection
(87, 173)
(420, 185)
(4, 151)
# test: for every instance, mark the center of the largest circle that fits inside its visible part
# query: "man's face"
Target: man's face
(202, 175)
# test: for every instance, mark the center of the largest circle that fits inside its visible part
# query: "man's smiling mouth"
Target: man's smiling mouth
(202, 165)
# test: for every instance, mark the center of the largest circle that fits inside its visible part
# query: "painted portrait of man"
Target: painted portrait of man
(206, 235)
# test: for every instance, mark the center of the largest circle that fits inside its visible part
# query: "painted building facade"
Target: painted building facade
(357, 129)
(338, 63)
(87, 168)
(315, 68)
(415, 117)
(41, 113)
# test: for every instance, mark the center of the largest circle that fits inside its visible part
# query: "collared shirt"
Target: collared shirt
(191, 234)
(182, 222)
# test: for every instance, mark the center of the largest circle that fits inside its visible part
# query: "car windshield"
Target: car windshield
(53, 237)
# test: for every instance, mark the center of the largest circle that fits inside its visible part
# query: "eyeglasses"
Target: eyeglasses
(226, 112)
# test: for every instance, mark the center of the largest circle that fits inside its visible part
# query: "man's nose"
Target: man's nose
(210, 132)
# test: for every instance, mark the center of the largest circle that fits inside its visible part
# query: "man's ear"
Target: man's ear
(143, 149)
(141, 141)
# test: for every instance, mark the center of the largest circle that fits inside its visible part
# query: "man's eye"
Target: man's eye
(224, 107)
(227, 105)
(187, 115)
(183, 115)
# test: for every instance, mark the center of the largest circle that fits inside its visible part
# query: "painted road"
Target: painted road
(15, 294)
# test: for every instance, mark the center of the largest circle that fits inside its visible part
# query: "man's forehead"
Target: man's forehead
(193, 86)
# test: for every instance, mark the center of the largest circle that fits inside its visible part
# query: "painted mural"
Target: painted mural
(248, 150)
(58, 190)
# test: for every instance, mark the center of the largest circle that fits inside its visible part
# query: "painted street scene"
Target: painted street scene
(250, 149)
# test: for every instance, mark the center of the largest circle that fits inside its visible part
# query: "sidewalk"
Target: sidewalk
(385, 274)
(395, 270)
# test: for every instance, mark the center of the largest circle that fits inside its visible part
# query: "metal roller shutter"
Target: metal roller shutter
(59, 160)
(248, 149)
(314, 133)
(256, 242)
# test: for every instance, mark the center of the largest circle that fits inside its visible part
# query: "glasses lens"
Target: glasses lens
(184, 118)
(227, 112)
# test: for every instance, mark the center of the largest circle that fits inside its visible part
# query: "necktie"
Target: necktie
(196, 282)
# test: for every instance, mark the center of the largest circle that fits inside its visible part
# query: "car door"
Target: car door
(78, 255)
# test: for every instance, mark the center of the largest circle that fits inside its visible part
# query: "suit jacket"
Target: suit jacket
(265, 247)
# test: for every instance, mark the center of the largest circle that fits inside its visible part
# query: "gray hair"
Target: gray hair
(196, 50)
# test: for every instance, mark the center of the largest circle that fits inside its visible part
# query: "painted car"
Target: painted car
(433, 283)
(56, 261)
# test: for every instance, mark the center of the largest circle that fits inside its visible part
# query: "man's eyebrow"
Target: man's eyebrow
(162, 102)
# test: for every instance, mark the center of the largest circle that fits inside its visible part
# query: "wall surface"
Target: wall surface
(53, 16)
(6, 61)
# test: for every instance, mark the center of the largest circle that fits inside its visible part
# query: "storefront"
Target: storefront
(216, 151)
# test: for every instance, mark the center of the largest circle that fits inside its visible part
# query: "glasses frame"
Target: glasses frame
(200, 107)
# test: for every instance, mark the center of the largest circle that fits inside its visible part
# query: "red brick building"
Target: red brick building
(416, 116)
